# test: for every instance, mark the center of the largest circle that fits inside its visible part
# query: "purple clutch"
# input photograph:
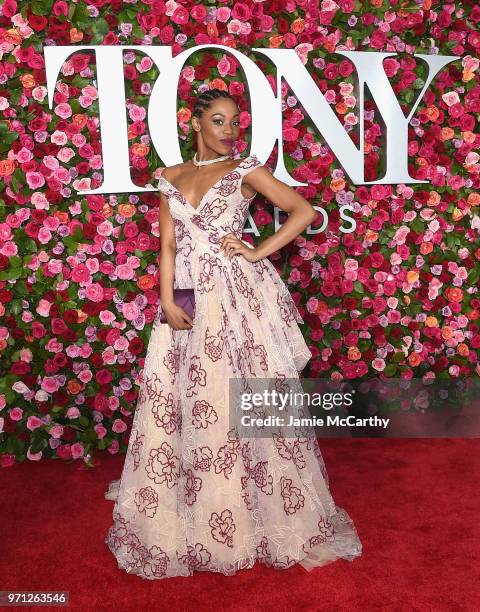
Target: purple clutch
(185, 298)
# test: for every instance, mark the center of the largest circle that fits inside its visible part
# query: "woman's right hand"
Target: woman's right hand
(176, 317)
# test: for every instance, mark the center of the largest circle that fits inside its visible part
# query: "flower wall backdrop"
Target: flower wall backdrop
(78, 274)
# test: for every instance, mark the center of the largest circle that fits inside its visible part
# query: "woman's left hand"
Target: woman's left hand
(231, 245)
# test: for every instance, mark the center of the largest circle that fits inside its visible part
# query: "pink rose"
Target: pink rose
(94, 292)
(77, 450)
(80, 274)
(15, 414)
(35, 180)
(130, 311)
(50, 384)
(33, 422)
(43, 308)
(119, 426)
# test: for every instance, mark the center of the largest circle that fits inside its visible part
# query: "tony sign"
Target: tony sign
(265, 108)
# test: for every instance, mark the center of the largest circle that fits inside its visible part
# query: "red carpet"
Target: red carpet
(415, 504)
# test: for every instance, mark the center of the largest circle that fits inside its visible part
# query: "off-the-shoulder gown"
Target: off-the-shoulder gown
(193, 494)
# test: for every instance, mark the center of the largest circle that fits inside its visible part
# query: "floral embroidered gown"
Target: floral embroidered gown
(193, 495)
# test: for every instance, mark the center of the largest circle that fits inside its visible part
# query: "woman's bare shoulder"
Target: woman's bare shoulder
(172, 172)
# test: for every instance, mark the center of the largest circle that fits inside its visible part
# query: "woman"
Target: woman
(194, 495)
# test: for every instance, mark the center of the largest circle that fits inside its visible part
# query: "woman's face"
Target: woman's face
(219, 125)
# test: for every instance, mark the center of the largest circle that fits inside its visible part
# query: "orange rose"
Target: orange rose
(275, 41)
(212, 30)
(426, 248)
(297, 26)
(432, 113)
(75, 35)
(337, 185)
(446, 133)
(74, 387)
(454, 294)
(412, 276)
(80, 120)
(473, 199)
(140, 149)
(433, 198)
(218, 84)
(414, 359)
(457, 214)
(462, 349)
(28, 81)
(145, 282)
(447, 332)
(61, 216)
(126, 210)
(431, 321)
(184, 114)
(468, 136)
(7, 167)
(354, 354)
(81, 316)
(107, 210)
(12, 36)
(341, 108)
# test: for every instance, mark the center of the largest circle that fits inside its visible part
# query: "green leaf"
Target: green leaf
(15, 94)
(101, 26)
(38, 444)
(390, 369)
(41, 7)
(418, 225)
(77, 233)
(16, 306)
(122, 290)
(12, 273)
(81, 18)
(474, 275)
(397, 357)
(10, 137)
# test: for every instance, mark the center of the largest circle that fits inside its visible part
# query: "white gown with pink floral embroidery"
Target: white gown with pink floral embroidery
(193, 495)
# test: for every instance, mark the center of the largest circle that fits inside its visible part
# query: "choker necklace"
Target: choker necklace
(204, 162)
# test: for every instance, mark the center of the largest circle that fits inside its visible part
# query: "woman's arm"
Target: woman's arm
(166, 258)
(176, 317)
(300, 212)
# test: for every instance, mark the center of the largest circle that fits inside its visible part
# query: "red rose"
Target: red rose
(38, 22)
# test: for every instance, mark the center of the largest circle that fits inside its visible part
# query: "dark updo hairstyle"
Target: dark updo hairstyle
(203, 100)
